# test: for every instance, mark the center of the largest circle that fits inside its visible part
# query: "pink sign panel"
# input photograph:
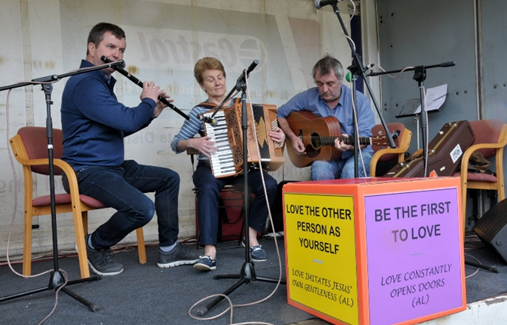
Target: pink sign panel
(414, 254)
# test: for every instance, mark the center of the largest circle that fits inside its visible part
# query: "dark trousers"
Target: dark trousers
(277, 210)
(123, 188)
(208, 195)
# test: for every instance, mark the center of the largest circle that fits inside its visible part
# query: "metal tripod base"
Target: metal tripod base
(55, 282)
(246, 275)
(482, 266)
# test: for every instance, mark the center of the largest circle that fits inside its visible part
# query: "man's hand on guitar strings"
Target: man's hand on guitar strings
(298, 146)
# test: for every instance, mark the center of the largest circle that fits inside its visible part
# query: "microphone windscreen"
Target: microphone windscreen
(348, 76)
(120, 64)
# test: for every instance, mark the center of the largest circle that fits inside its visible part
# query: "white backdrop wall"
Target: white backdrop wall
(164, 39)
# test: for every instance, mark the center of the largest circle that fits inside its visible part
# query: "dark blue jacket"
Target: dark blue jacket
(94, 123)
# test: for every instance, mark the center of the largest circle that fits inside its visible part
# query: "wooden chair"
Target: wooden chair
(231, 209)
(30, 148)
(490, 140)
(382, 150)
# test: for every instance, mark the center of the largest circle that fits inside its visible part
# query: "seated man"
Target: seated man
(94, 125)
(332, 98)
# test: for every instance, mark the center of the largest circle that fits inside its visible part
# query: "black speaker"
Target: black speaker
(492, 230)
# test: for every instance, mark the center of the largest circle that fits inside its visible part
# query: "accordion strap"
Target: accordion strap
(207, 105)
(213, 105)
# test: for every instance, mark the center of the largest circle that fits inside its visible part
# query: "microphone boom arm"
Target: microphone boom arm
(358, 68)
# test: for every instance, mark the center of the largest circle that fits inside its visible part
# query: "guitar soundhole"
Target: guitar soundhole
(313, 149)
(315, 141)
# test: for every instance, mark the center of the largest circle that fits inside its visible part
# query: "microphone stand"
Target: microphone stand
(247, 272)
(56, 280)
(356, 125)
(420, 76)
(358, 68)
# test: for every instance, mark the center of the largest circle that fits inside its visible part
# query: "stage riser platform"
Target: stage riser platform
(492, 311)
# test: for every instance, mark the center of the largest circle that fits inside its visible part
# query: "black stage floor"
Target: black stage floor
(146, 294)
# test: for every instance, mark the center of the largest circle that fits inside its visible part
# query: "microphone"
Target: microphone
(348, 76)
(119, 64)
(319, 4)
(242, 79)
(206, 119)
(251, 67)
(248, 70)
(448, 64)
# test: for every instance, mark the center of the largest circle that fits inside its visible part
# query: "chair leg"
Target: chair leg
(85, 222)
(27, 246)
(80, 243)
(141, 248)
(500, 192)
(464, 208)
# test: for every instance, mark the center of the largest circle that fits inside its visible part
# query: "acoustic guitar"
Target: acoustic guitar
(318, 135)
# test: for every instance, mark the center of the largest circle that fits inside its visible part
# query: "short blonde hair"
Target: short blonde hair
(206, 63)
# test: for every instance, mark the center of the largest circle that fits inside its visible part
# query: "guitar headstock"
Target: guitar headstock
(382, 140)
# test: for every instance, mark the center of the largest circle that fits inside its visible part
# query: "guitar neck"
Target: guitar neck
(329, 141)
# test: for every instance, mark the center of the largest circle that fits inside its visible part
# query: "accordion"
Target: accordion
(227, 134)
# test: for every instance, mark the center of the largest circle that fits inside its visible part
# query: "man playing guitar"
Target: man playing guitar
(331, 98)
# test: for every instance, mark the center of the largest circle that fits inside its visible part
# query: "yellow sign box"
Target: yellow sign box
(320, 236)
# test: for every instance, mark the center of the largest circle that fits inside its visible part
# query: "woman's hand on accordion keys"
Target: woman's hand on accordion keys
(204, 145)
(277, 136)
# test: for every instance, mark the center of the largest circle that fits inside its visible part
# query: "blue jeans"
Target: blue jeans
(208, 194)
(123, 188)
(341, 168)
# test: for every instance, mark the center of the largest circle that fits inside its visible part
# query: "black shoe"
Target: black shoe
(180, 255)
(205, 263)
(101, 261)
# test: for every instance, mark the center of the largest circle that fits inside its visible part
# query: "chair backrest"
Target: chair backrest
(487, 131)
(35, 141)
(379, 131)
